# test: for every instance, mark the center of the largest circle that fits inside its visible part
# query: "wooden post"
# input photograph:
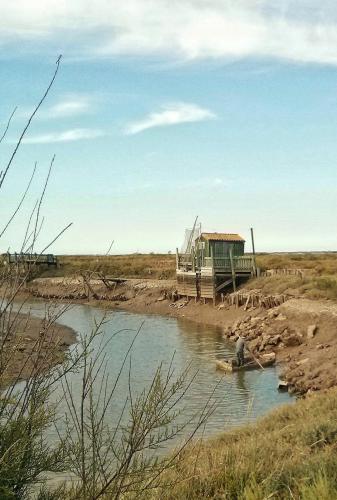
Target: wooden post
(213, 270)
(253, 248)
(232, 267)
(177, 259)
(193, 259)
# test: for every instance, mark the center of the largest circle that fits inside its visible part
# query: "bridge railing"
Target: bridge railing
(31, 258)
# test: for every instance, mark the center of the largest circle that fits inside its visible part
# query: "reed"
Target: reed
(291, 453)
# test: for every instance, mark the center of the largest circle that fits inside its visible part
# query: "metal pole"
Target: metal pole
(253, 247)
(190, 241)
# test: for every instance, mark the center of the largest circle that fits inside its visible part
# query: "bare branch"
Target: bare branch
(37, 107)
(7, 126)
(20, 202)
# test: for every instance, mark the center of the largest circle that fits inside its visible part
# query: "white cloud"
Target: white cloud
(304, 31)
(66, 107)
(171, 114)
(69, 107)
(75, 134)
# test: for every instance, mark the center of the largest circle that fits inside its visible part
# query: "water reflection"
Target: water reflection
(240, 396)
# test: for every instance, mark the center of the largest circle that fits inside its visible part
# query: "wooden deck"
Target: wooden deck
(207, 277)
(243, 264)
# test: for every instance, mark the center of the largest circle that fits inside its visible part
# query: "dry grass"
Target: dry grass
(289, 454)
(321, 287)
(154, 265)
(317, 263)
(319, 279)
(160, 266)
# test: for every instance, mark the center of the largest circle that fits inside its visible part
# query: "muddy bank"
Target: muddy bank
(302, 332)
(32, 346)
(140, 296)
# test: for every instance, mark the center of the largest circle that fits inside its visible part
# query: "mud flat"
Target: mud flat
(301, 332)
(27, 350)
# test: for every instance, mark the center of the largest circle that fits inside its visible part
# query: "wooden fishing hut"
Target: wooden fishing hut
(212, 263)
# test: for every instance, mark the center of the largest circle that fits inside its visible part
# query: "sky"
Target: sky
(164, 110)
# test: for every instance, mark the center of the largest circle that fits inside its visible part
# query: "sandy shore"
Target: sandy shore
(302, 332)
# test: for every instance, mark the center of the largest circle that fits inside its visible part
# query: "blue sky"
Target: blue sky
(164, 111)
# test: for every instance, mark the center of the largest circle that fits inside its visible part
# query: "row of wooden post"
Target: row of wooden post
(254, 299)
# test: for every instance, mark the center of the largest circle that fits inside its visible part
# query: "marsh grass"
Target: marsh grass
(319, 279)
(312, 287)
(156, 266)
(291, 453)
(163, 265)
(324, 263)
(326, 286)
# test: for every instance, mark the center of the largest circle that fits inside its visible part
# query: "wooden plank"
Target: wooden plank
(207, 289)
(223, 285)
(187, 283)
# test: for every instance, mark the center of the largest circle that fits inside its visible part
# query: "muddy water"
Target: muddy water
(240, 397)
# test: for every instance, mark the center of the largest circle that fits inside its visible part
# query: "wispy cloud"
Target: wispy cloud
(66, 107)
(76, 134)
(170, 114)
(206, 183)
(290, 30)
(215, 184)
(69, 106)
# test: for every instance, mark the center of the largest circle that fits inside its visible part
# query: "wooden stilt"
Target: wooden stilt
(232, 267)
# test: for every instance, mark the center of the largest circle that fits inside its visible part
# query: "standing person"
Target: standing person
(240, 350)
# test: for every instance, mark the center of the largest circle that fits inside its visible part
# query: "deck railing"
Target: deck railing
(244, 263)
(241, 263)
(185, 260)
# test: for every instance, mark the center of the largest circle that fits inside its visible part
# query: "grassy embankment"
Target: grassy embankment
(289, 454)
(320, 279)
(320, 276)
